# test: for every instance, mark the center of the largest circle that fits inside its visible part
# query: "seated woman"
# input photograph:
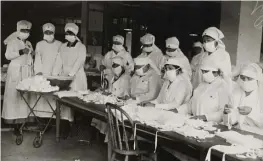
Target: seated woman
(246, 109)
(119, 86)
(210, 97)
(146, 82)
(177, 89)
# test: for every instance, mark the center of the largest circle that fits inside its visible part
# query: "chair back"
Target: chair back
(118, 119)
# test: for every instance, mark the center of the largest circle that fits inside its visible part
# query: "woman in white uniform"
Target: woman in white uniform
(150, 50)
(214, 48)
(146, 82)
(46, 54)
(247, 106)
(173, 51)
(18, 51)
(117, 50)
(71, 63)
(209, 97)
(119, 87)
(177, 89)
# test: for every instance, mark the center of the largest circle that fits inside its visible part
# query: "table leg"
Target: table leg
(202, 155)
(109, 146)
(57, 121)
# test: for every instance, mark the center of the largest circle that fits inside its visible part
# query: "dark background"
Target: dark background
(163, 19)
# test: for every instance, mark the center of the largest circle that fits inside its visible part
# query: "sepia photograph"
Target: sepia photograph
(131, 80)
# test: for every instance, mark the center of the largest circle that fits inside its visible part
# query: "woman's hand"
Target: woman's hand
(244, 110)
(199, 117)
(228, 108)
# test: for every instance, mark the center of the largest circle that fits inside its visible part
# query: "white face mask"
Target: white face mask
(210, 46)
(117, 48)
(249, 86)
(171, 75)
(23, 35)
(147, 49)
(70, 38)
(48, 38)
(117, 71)
(140, 72)
(209, 77)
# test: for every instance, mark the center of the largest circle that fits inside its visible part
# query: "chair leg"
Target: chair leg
(113, 156)
(126, 158)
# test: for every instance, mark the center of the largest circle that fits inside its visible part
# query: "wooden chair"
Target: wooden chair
(118, 135)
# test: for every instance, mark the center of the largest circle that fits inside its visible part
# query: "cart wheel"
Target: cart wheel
(19, 139)
(37, 142)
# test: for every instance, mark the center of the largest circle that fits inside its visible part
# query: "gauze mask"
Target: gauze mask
(23, 35)
(208, 77)
(70, 38)
(117, 48)
(48, 38)
(147, 49)
(117, 71)
(171, 75)
(210, 46)
(249, 86)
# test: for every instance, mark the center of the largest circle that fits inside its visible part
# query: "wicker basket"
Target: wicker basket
(62, 82)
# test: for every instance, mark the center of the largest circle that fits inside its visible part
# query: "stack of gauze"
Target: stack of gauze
(99, 98)
(197, 129)
(236, 138)
(160, 119)
(36, 84)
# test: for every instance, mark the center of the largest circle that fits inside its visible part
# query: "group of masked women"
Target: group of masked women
(51, 58)
(203, 88)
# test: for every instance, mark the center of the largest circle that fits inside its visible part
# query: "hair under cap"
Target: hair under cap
(72, 27)
(172, 42)
(48, 27)
(23, 24)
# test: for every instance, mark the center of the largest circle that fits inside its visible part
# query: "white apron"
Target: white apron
(46, 55)
(20, 67)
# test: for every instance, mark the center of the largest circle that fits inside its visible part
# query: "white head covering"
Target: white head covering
(253, 70)
(48, 27)
(172, 42)
(23, 24)
(148, 39)
(215, 33)
(118, 60)
(208, 64)
(73, 28)
(178, 61)
(118, 38)
(146, 61)
(235, 71)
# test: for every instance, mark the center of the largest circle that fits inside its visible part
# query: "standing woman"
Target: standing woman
(73, 56)
(46, 53)
(18, 50)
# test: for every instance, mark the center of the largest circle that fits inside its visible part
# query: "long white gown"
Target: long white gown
(71, 62)
(46, 54)
(14, 107)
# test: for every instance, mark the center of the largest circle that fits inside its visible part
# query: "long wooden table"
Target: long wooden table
(168, 139)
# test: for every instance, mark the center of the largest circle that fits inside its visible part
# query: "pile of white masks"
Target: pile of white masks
(36, 84)
(189, 131)
(99, 98)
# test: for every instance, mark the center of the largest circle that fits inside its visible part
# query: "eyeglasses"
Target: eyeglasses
(170, 50)
(69, 33)
(147, 45)
(114, 65)
(48, 32)
(116, 43)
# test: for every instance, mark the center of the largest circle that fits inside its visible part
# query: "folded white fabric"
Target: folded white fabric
(236, 138)
(62, 94)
